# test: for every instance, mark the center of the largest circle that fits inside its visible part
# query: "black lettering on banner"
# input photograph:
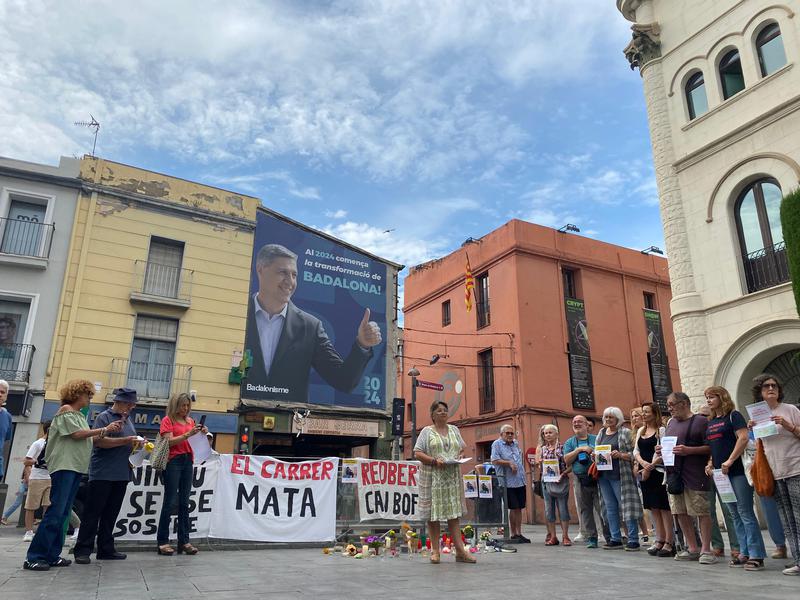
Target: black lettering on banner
(272, 501)
(290, 493)
(308, 503)
(204, 501)
(241, 494)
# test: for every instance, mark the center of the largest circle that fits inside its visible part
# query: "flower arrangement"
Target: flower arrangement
(486, 535)
(350, 550)
(374, 541)
(468, 531)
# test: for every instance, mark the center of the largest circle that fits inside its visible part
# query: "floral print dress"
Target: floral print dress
(441, 493)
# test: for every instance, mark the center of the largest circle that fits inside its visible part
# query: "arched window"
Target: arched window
(696, 99)
(758, 222)
(730, 74)
(769, 45)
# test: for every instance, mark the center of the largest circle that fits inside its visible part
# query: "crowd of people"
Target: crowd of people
(623, 485)
(71, 453)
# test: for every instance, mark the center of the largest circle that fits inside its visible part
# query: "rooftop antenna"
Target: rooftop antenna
(93, 125)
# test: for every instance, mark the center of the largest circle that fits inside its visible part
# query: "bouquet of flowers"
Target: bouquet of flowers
(468, 531)
(486, 535)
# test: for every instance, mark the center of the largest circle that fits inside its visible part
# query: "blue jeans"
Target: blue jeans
(18, 500)
(49, 539)
(774, 524)
(177, 484)
(612, 497)
(550, 504)
(744, 519)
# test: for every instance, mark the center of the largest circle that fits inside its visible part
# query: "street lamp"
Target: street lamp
(413, 373)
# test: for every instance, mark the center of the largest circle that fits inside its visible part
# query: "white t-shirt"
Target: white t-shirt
(783, 450)
(33, 452)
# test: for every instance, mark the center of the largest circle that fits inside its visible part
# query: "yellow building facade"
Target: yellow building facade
(154, 295)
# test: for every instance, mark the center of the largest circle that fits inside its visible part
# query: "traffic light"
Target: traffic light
(244, 439)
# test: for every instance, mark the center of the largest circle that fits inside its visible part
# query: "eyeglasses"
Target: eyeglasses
(769, 386)
(674, 404)
(508, 432)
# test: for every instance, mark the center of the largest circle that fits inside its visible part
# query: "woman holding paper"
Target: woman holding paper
(651, 471)
(783, 455)
(441, 491)
(617, 485)
(177, 427)
(555, 484)
(726, 435)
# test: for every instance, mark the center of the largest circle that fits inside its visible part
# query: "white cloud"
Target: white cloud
(263, 183)
(336, 214)
(333, 83)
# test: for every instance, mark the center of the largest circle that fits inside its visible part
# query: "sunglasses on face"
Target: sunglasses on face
(769, 386)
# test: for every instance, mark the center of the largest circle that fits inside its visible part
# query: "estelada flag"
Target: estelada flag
(469, 286)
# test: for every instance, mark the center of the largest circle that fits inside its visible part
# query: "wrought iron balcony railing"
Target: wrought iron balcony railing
(766, 268)
(26, 238)
(153, 381)
(156, 282)
(15, 362)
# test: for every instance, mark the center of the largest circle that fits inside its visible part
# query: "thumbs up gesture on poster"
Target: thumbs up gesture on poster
(369, 334)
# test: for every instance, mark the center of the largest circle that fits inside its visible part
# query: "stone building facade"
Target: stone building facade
(723, 102)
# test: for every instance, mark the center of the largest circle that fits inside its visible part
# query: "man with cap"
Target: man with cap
(109, 474)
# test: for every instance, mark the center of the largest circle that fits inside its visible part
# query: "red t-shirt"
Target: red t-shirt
(177, 429)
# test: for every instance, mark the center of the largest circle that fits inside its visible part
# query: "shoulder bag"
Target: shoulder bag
(761, 472)
(160, 454)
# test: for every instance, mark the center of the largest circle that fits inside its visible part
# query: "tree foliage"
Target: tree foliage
(790, 221)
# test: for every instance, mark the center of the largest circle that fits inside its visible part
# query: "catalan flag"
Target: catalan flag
(469, 286)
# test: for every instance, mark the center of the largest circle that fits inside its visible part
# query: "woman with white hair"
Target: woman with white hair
(618, 485)
(556, 493)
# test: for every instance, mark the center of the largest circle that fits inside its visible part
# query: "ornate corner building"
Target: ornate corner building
(723, 103)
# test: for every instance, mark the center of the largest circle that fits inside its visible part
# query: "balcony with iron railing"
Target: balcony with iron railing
(766, 268)
(15, 362)
(154, 382)
(25, 242)
(164, 285)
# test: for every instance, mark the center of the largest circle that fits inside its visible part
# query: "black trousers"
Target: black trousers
(103, 502)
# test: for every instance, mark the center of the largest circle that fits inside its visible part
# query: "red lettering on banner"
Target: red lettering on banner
(327, 467)
(280, 471)
(382, 471)
(264, 473)
(392, 474)
(401, 471)
(236, 468)
(293, 471)
(412, 474)
(315, 467)
(305, 471)
(247, 470)
(365, 478)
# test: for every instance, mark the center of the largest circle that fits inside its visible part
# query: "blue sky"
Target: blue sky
(439, 120)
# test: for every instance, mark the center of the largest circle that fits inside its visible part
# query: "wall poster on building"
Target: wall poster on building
(657, 358)
(316, 323)
(580, 362)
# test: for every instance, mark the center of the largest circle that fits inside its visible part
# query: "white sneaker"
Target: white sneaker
(795, 570)
(579, 538)
(74, 535)
(28, 536)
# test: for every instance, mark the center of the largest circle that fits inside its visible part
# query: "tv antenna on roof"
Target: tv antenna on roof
(93, 125)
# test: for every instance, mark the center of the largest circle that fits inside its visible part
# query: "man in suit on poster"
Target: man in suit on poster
(285, 342)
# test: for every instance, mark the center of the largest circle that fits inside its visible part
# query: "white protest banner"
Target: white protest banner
(141, 508)
(260, 498)
(387, 489)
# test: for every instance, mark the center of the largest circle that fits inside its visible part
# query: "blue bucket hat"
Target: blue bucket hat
(125, 395)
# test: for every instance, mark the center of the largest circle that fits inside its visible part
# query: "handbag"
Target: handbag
(675, 482)
(537, 488)
(586, 479)
(763, 479)
(558, 488)
(160, 454)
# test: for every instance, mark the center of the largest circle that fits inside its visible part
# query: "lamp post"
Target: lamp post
(413, 373)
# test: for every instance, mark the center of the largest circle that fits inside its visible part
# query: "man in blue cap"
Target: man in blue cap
(109, 474)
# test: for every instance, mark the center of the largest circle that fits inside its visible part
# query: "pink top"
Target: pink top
(177, 429)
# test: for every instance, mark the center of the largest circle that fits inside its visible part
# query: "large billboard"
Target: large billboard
(316, 324)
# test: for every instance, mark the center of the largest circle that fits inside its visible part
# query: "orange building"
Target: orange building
(560, 325)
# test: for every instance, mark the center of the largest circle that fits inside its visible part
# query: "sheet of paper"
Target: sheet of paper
(668, 442)
(765, 429)
(759, 412)
(551, 472)
(137, 458)
(350, 470)
(484, 486)
(200, 447)
(602, 457)
(457, 461)
(470, 486)
(724, 486)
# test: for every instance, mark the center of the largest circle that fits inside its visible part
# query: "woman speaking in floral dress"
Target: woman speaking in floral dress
(441, 494)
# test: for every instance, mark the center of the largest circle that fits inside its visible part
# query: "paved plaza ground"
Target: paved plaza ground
(535, 571)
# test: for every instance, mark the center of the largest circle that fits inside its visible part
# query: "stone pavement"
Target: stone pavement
(535, 571)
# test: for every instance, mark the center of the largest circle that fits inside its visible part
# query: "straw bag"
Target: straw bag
(160, 454)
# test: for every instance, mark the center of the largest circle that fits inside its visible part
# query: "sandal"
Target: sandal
(657, 545)
(465, 558)
(187, 549)
(166, 550)
(435, 558)
(738, 561)
(553, 541)
(566, 541)
(754, 564)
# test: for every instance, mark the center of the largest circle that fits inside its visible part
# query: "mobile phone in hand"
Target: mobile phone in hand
(202, 421)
